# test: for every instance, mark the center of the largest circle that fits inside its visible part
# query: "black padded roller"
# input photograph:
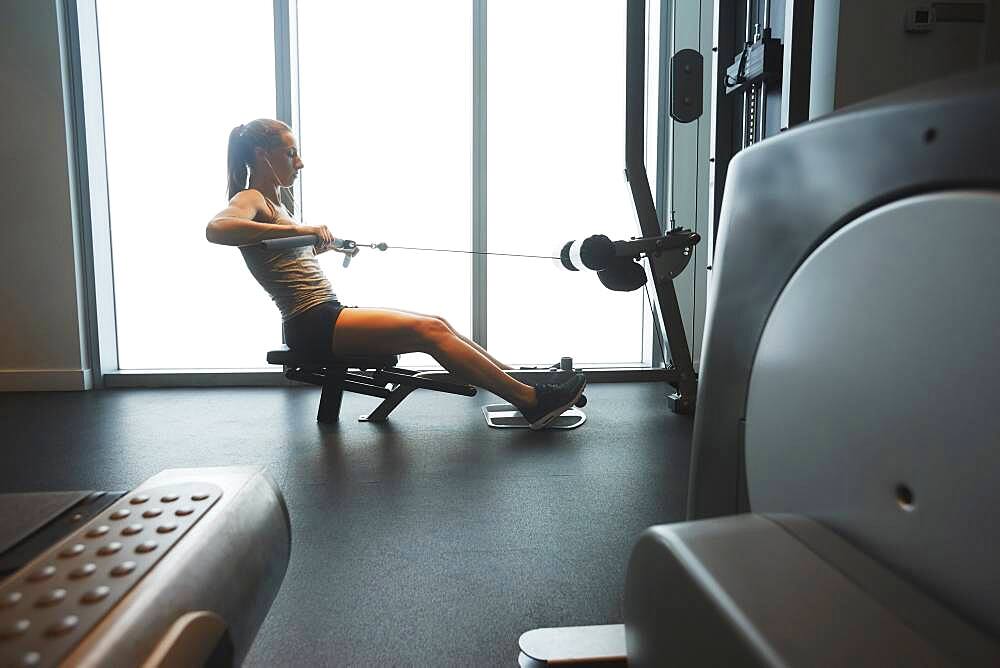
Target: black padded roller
(597, 252)
(623, 274)
(564, 257)
(594, 253)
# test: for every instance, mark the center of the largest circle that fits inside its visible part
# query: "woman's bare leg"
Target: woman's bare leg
(482, 351)
(367, 331)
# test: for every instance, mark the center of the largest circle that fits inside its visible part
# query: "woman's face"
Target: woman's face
(284, 160)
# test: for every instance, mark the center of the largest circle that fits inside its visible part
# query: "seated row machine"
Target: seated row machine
(378, 376)
(364, 375)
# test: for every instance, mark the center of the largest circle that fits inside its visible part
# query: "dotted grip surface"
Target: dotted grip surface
(51, 604)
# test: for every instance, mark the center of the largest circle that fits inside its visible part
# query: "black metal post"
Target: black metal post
(726, 110)
(797, 67)
(669, 320)
(331, 396)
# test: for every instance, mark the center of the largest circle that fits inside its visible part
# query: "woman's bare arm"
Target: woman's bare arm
(235, 225)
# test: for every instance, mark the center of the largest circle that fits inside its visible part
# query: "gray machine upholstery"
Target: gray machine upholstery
(784, 198)
(781, 590)
(847, 399)
(180, 571)
(872, 403)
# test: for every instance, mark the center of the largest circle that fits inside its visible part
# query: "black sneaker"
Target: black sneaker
(556, 374)
(553, 400)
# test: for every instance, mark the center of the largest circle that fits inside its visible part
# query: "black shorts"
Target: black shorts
(311, 332)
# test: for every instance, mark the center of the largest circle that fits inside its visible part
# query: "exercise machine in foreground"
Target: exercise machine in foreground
(179, 571)
(844, 467)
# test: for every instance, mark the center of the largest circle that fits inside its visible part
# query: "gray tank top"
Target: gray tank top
(292, 277)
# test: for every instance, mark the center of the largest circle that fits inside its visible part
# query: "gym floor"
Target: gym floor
(429, 540)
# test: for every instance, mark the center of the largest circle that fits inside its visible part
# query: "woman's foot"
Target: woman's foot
(552, 399)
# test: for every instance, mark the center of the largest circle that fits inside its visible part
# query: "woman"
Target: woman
(264, 157)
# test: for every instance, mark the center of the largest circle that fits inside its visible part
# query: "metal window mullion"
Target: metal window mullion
(79, 23)
(479, 261)
(286, 74)
(664, 149)
(286, 83)
(285, 79)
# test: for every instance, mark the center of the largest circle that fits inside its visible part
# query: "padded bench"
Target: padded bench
(376, 376)
(764, 590)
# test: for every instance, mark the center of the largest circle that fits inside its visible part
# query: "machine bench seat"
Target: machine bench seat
(778, 589)
(291, 358)
(764, 590)
(377, 376)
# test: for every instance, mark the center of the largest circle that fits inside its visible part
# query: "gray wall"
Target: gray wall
(41, 288)
(993, 34)
(875, 55)
(823, 62)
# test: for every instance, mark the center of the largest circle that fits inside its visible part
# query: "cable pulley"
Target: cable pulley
(616, 262)
(350, 247)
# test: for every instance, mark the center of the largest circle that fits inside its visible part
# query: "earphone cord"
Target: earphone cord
(291, 192)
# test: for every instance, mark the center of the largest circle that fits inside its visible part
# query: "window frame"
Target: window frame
(88, 149)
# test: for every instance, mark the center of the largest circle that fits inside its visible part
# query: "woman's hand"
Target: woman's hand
(322, 232)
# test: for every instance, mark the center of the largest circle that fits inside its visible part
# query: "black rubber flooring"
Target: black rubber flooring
(430, 540)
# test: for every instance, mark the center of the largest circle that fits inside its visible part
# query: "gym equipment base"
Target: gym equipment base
(143, 578)
(576, 645)
(378, 376)
(505, 416)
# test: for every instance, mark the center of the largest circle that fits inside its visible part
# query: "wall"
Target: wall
(42, 345)
(875, 55)
(823, 63)
(993, 34)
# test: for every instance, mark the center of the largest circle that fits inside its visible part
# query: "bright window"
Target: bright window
(386, 107)
(556, 146)
(177, 77)
(385, 123)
